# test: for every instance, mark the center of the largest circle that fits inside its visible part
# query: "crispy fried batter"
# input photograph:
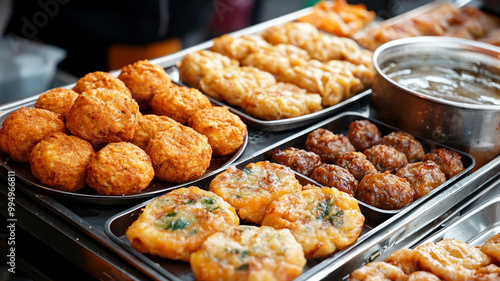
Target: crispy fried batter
(295, 33)
(147, 127)
(58, 100)
(99, 79)
(378, 271)
(492, 247)
(238, 47)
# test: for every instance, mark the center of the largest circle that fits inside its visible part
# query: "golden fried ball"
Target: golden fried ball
(175, 224)
(179, 103)
(144, 80)
(147, 127)
(179, 154)
(100, 79)
(249, 253)
(58, 100)
(225, 130)
(120, 168)
(102, 116)
(24, 128)
(322, 220)
(61, 161)
(252, 189)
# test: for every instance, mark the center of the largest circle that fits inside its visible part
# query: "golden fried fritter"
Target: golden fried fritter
(295, 33)
(175, 224)
(378, 271)
(225, 131)
(322, 220)
(448, 160)
(299, 160)
(100, 79)
(492, 247)
(252, 189)
(249, 253)
(327, 144)
(147, 127)
(58, 100)
(238, 47)
(385, 191)
(61, 161)
(337, 177)
(102, 116)
(24, 128)
(280, 101)
(231, 84)
(325, 47)
(422, 176)
(120, 168)
(144, 80)
(179, 103)
(195, 65)
(179, 154)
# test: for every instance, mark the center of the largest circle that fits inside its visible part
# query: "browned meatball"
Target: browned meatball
(448, 161)
(148, 126)
(58, 100)
(335, 176)
(363, 134)
(422, 176)
(385, 191)
(100, 79)
(299, 160)
(405, 143)
(327, 144)
(386, 158)
(356, 163)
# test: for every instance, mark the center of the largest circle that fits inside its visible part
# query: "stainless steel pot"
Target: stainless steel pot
(471, 128)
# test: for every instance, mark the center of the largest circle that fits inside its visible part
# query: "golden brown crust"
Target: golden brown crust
(147, 127)
(422, 176)
(405, 143)
(299, 160)
(448, 160)
(356, 163)
(363, 134)
(24, 128)
(385, 191)
(120, 168)
(100, 79)
(492, 247)
(327, 144)
(295, 33)
(238, 47)
(58, 100)
(386, 158)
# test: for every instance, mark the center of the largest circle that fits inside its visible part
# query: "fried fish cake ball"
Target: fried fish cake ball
(24, 128)
(405, 143)
(322, 220)
(179, 154)
(386, 158)
(102, 116)
(249, 253)
(144, 80)
(179, 103)
(492, 247)
(280, 101)
(363, 134)
(378, 271)
(252, 189)
(61, 161)
(356, 163)
(327, 144)
(448, 160)
(299, 160)
(225, 131)
(58, 100)
(195, 65)
(99, 79)
(337, 177)
(238, 47)
(175, 224)
(422, 176)
(120, 168)
(147, 127)
(385, 191)
(231, 84)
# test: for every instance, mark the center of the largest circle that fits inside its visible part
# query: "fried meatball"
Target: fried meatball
(144, 80)
(448, 161)
(147, 127)
(58, 100)
(102, 116)
(405, 143)
(179, 154)
(179, 103)
(99, 79)
(356, 163)
(249, 253)
(120, 168)
(327, 144)
(238, 47)
(385, 191)
(422, 176)
(386, 158)
(225, 131)
(322, 220)
(61, 161)
(299, 160)
(175, 224)
(195, 65)
(337, 177)
(24, 128)
(252, 189)
(363, 134)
